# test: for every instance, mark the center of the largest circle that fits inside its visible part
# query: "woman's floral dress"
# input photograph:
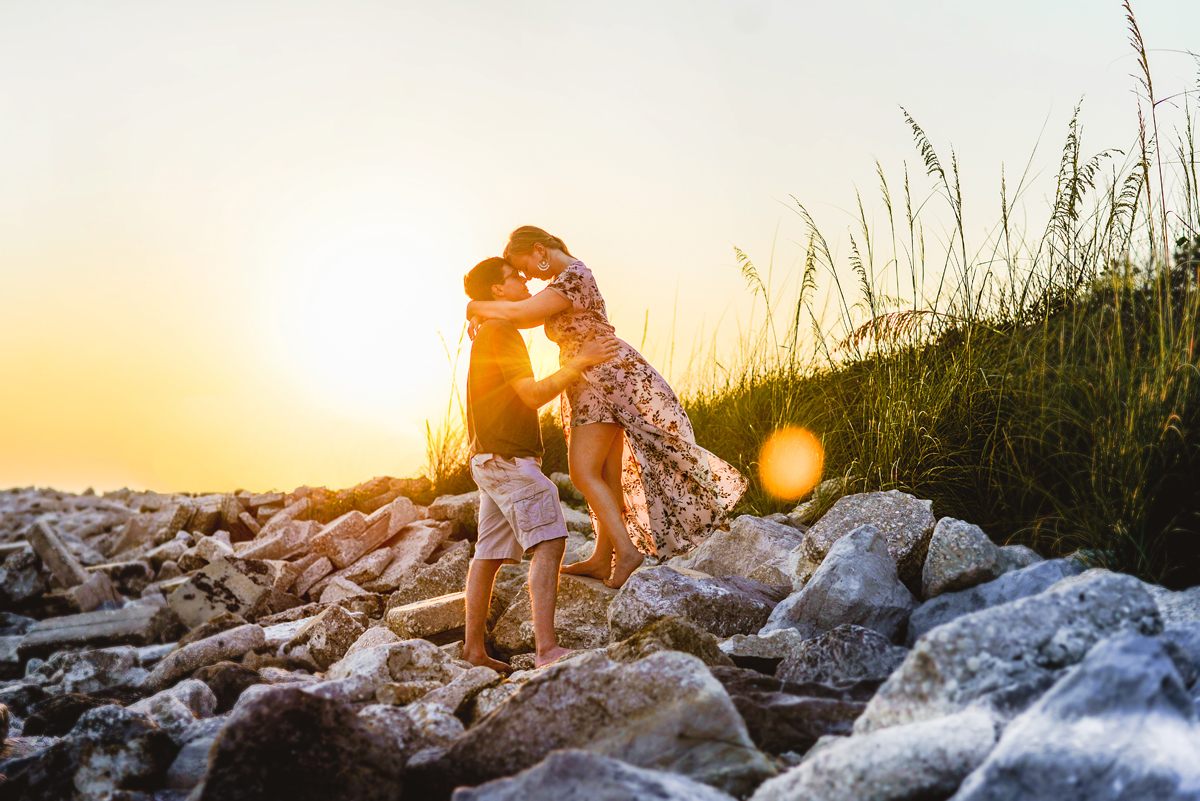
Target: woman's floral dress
(675, 491)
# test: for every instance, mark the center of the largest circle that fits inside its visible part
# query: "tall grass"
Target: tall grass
(1046, 388)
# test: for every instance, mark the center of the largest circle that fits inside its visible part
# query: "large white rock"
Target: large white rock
(856, 584)
(753, 547)
(583, 776)
(665, 712)
(1026, 641)
(905, 522)
(580, 617)
(1118, 726)
(920, 760)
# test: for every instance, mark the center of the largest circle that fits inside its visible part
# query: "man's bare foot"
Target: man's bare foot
(592, 567)
(553, 655)
(623, 567)
(483, 660)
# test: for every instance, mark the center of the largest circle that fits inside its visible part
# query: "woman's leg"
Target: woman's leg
(589, 452)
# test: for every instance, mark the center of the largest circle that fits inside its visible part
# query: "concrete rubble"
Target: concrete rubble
(307, 644)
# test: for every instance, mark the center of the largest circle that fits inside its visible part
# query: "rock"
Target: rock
(416, 581)
(960, 556)
(361, 674)
(1178, 609)
(13, 625)
(408, 572)
(21, 579)
(432, 616)
(919, 760)
(110, 750)
(1020, 583)
(191, 763)
(753, 548)
(847, 653)
(461, 690)
(55, 555)
(379, 635)
(87, 672)
(10, 658)
(1119, 726)
(669, 634)
(58, 714)
(324, 639)
(347, 538)
(487, 701)
(130, 625)
(214, 625)
(312, 574)
(227, 681)
(856, 583)
(402, 693)
(1023, 641)
(822, 498)
(579, 523)
(367, 568)
(463, 509)
(339, 589)
(742, 681)
(195, 695)
(784, 716)
(128, 578)
(583, 776)
(18, 697)
(227, 585)
(664, 712)
(720, 606)
(580, 618)
(226, 645)
(566, 488)
(905, 522)
(288, 541)
(1015, 557)
(761, 652)
(287, 743)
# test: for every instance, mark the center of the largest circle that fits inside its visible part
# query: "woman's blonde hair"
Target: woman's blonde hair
(522, 240)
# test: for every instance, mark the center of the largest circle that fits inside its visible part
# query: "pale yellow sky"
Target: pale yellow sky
(232, 234)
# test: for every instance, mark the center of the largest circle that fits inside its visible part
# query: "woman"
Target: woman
(630, 444)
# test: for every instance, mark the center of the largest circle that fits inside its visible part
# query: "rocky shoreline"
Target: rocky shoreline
(306, 645)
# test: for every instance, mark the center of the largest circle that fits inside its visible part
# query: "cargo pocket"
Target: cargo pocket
(537, 508)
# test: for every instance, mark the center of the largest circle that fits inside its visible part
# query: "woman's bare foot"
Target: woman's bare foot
(553, 655)
(623, 567)
(591, 567)
(483, 660)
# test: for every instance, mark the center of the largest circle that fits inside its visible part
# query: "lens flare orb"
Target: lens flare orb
(790, 463)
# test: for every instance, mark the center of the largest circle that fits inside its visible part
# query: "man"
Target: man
(518, 506)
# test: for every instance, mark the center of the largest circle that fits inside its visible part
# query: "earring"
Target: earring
(543, 266)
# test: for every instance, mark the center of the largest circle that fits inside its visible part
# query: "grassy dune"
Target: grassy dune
(1044, 386)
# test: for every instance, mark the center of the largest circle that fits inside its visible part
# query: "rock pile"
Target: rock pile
(306, 645)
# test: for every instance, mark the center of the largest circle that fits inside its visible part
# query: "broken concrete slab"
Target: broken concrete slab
(432, 616)
(312, 574)
(227, 585)
(339, 541)
(417, 543)
(61, 563)
(131, 625)
(226, 645)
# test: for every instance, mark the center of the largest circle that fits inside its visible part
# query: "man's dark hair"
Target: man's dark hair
(483, 276)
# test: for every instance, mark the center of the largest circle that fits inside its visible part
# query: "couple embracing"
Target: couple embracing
(650, 488)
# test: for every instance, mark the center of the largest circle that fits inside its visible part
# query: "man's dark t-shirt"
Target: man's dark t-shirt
(498, 421)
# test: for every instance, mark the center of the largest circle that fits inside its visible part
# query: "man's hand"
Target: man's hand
(596, 349)
(536, 394)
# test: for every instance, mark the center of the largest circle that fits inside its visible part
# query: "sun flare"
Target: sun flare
(790, 462)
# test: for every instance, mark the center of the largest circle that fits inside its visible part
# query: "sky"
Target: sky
(232, 234)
